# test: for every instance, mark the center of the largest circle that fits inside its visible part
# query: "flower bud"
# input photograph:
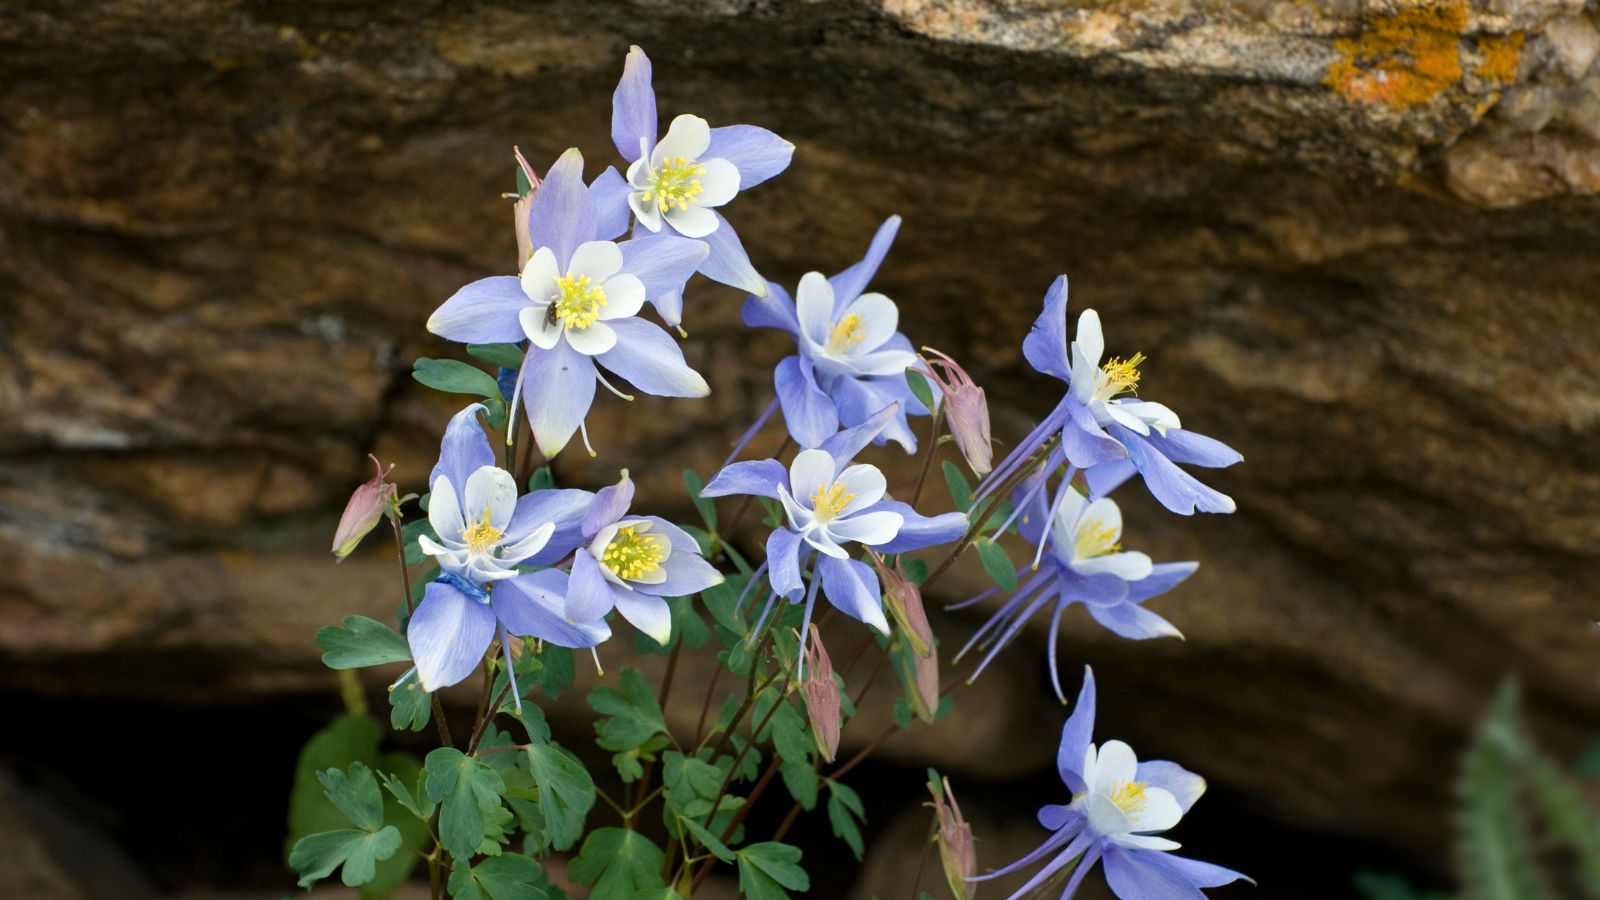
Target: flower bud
(965, 409)
(923, 691)
(904, 600)
(367, 505)
(822, 697)
(520, 211)
(957, 850)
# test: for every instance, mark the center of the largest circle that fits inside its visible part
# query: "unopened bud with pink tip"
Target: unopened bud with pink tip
(904, 600)
(957, 850)
(525, 246)
(922, 688)
(965, 409)
(822, 697)
(370, 502)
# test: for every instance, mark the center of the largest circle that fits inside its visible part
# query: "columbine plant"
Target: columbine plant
(503, 575)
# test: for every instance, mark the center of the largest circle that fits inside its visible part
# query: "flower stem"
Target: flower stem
(927, 459)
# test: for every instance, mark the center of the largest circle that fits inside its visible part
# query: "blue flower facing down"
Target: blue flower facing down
(1105, 435)
(852, 358)
(577, 303)
(1118, 807)
(487, 534)
(631, 563)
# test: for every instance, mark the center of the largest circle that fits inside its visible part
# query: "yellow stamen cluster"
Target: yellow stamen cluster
(481, 537)
(1094, 538)
(846, 334)
(676, 183)
(632, 555)
(1122, 375)
(1128, 796)
(831, 500)
(578, 301)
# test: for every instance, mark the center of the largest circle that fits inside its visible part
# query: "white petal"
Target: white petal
(491, 489)
(639, 169)
(434, 548)
(800, 518)
(532, 543)
(648, 213)
(1159, 812)
(1158, 415)
(539, 328)
(820, 539)
(879, 318)
(718, 184)
(597, 259)
(694, 222)
(1116, 763)
(539, 275)
(865, 484)
(811, 471)
(592, 341)
(1104, 513)
(813, 302)
(1105, 817)
(688, 136)
(1063, 529)
(871, 528)
(1088, 339)
(883, 362)
(444, 510)
(1126, 419)
(1144, 842)
(624, 297)
(1130, 566)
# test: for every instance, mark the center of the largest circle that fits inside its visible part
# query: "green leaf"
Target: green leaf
(542, 479)
(1381, 886)
(1494, 854)
(559, 673)
(410, 707)
(691, 783)
(997, 564)
(355, 793)
(844, 811)
(703, 505)
(707, 839)
(633, 715)
(687, 624)
(566, 794)
(315, 856)
(919, 387)
(617, 862)
(506, 356)
(468, 791)
(660, 893)
(508, 877)
(414, 555)
(413, 799)
(960, 491)
(453, 376)
(360, 642)
(915, 569)
(766, 869)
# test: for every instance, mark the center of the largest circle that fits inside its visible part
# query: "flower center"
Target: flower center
(1128, 796)
(577, 301)
(631, 555)
(481, 537)
(845, 335)
(676, 183)
(831, 500)
(1119, 376)
(1094, 538)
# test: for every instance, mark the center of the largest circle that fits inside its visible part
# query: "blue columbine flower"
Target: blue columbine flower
(1087, 565)
(632, 563)
(1105, 435)
(576, 303)
(486, 536)
(852, 358)
(829, 503)
(676, 185)
(1118, 807)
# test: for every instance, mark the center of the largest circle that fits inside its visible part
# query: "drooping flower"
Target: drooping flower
(676, 185)
(367, 505)
(1118, 807)
(829, 503)
(577, 302)
(487, 534)
(965, 410)
(822, 697)
(1107, 436)
(852, 359)
(957, 851)
(632, 563)
(904, 600)
(1086, 564)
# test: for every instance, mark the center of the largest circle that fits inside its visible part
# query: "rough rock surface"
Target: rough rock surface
(1358, 241)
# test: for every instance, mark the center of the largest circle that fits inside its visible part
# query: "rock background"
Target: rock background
(1359, 242)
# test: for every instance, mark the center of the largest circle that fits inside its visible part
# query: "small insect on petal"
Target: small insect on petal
(367, 505)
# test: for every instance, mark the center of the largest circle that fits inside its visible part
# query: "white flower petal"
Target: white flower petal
(1115, 764)
(624, 297)
(491, 489)
(1105, 817)
(800, 518)
(539, 275)
(878, 318)
(592, 341)
(530, 544)
(694, 222)
(811, 471)
(1124, 418)
(820, 539)
(1129, 566)
(537, 325)
(648, 213)
(871, 528)
(688, 136)
(1159, 812)
(718, 184)
(597, 259)
(1144, 842)
(1088, 339)
(813, 302)
(883, 362)
(444, 510)
(865, 484)
(1104, 514)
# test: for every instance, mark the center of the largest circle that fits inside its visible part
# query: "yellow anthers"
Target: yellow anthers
(481, 537)
(1122, 375)
(578, 301)
(1128, 796)
(632, 555)
(845, 335)
(676, 183)
(1095, 538)
(831, 500)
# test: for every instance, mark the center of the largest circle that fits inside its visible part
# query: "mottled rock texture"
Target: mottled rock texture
(1358, 241)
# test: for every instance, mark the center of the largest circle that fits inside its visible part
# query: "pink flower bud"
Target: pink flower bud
(520, 211)
(822, 697)
(957, 851)
(904, 600)
(923, 691)
(965, 409)
(367, 505)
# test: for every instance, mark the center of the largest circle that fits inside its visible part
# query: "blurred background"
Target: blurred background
(1358, 242)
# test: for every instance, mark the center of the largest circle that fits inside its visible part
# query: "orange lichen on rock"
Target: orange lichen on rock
(1500, 56)
(1404, 59)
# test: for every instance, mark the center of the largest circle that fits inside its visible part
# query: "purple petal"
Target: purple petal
(589, 594)
(483, 312)
(1202, 874)
(858, 399)
(1163, 577)
(1176, 489)
(852, 587)
(759, 477)
(563, 214)
(448, 635)
(1076, 735)
(633, 107)
(849, 284)
(1189, 448)
(663, 262)
(557, 391)
(809, 413)
(775, 310)
(728, 263)
(680, 540)
(1086, 444)
(1143, 875)
(1055, 816)
(647, 613)
(1045, 347)
(847, 443)
(651, 361)
(610, 192)
(1134, 622)
(562, 508)
(464, 450)
(1097, 589)
(1107, 477)
(783, 563)
(919, 531)
(756, 152)
(532, 605)
(610, 504)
